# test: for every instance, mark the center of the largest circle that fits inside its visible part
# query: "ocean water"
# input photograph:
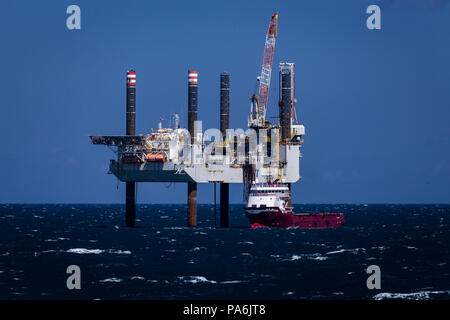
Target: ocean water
(163, 259)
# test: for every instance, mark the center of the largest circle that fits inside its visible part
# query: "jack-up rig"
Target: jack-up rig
(265, 158)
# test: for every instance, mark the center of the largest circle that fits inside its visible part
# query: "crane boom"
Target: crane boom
(258, 118)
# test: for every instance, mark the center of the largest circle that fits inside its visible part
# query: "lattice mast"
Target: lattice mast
(259, 102)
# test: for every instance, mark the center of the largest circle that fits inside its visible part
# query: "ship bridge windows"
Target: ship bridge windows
(268, 191)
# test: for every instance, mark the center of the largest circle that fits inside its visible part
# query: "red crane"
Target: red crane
(259, 102)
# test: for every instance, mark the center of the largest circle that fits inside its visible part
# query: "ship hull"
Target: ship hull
(278, 219)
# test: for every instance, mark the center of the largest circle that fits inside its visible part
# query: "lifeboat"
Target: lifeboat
(155, 157)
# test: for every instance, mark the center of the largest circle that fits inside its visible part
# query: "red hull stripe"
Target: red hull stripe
(287, 220)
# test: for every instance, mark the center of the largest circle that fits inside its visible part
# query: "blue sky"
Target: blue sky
(376, 104)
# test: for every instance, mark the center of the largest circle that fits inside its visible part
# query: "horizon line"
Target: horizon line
(218, 203)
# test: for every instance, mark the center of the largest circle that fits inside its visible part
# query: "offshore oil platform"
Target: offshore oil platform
(264, 158)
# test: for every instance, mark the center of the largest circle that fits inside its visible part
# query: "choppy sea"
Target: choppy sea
(163, 259)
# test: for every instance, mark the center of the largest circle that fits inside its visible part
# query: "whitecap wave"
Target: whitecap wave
(111, 280)
(196, 279)
(119, 251)
(353, 251)
(55, 240)
(94, 251)
(318, 258)
(232, 281)
(309, 256)
(420, 295)
(85, 251)
(48, 251)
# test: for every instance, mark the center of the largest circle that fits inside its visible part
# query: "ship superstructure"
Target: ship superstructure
(268, 197)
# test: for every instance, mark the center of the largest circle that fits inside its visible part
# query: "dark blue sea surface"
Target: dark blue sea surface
(163, 259)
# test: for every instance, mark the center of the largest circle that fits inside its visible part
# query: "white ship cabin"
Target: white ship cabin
(265, 195)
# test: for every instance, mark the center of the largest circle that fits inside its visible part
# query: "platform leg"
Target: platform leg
(130, 205)
(192, 204)
(224, 204)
